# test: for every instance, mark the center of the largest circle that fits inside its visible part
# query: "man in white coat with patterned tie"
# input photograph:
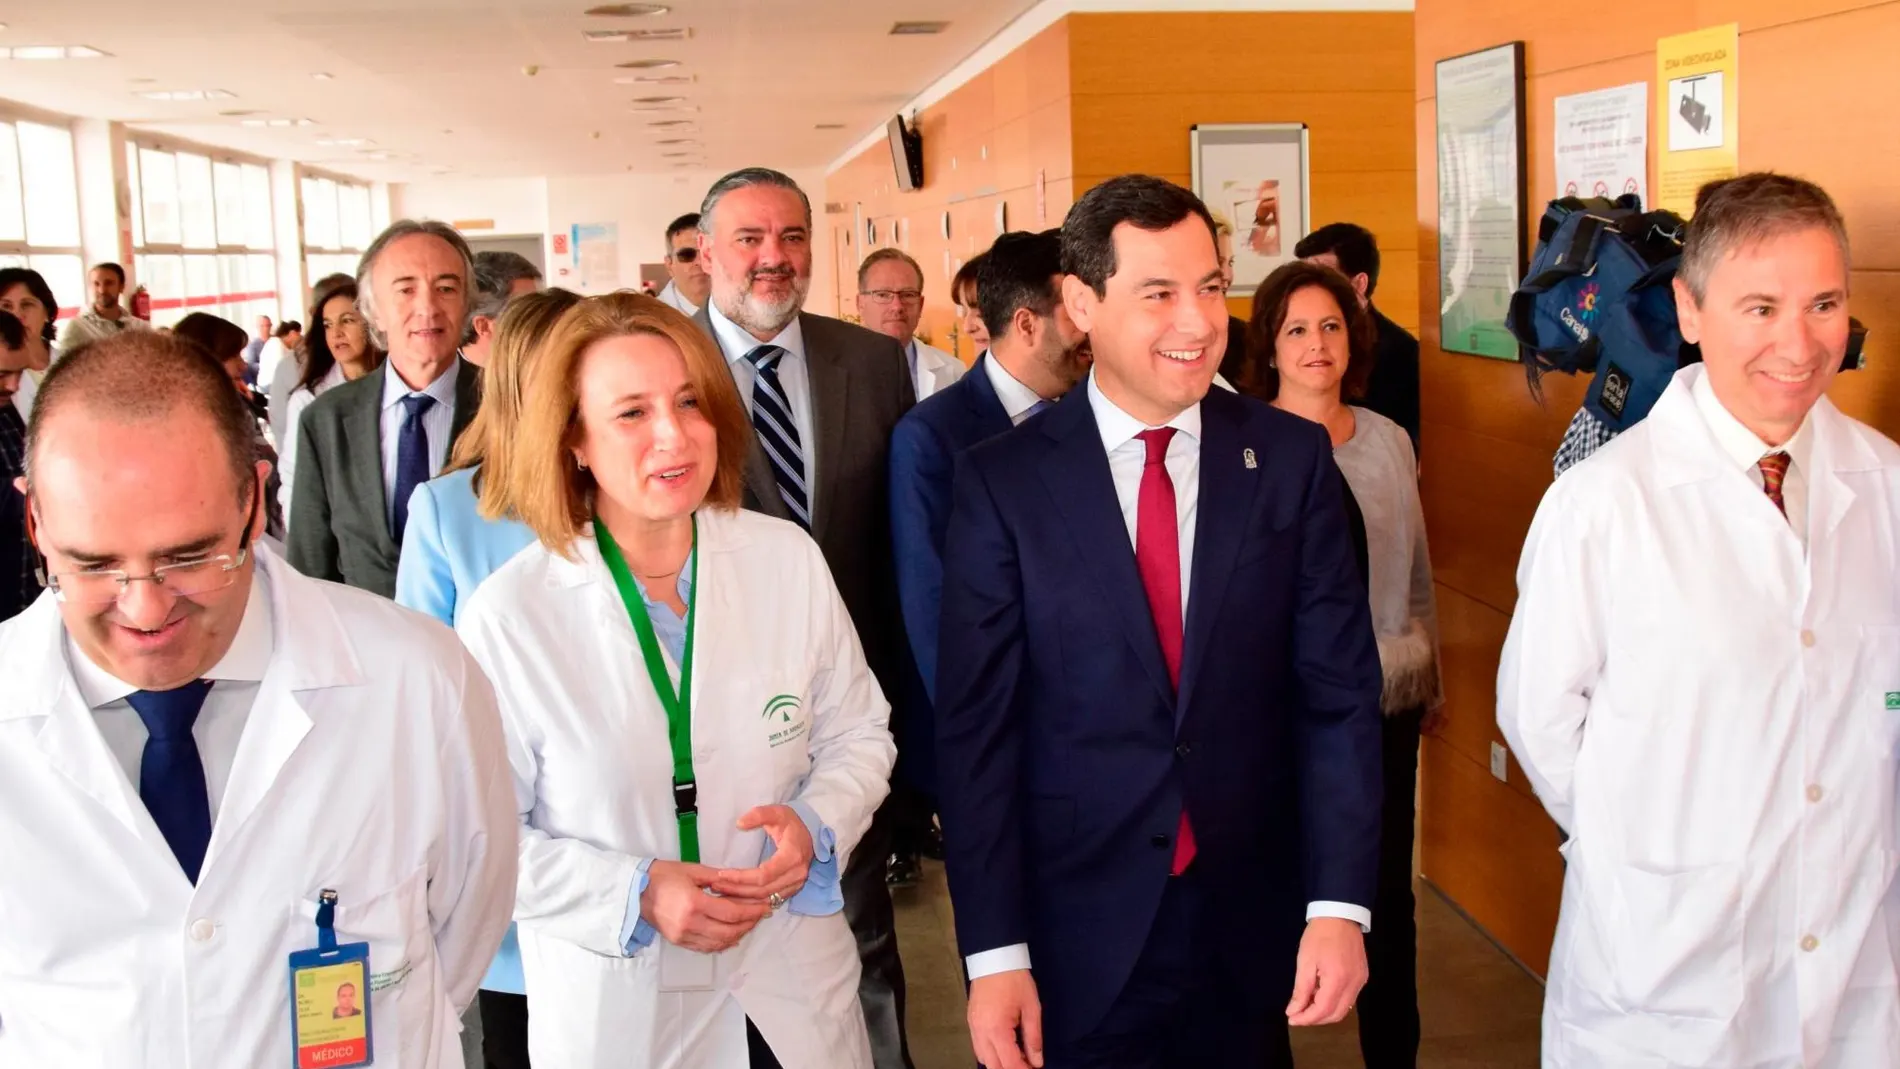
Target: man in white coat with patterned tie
(1702, 681)
(199, 746)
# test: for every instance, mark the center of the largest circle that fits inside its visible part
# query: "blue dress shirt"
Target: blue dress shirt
(821, 895)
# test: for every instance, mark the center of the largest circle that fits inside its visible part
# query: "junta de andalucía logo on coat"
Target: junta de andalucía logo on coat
(782, 720)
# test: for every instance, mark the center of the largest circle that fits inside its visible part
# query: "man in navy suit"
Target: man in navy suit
(1035, 355)
(1158, 690)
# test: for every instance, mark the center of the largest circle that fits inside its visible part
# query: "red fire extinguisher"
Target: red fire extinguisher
(142, 304)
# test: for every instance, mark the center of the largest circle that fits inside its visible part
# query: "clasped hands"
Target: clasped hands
(709, 910)
(1005, 1013)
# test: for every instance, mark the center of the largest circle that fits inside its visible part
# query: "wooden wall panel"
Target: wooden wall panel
(1816, 80)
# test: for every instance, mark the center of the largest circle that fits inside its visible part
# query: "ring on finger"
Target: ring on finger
(777, 900)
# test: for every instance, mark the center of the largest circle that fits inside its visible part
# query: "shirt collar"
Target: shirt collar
(1739, 444)
(442, 389)
(245, 661)
(1119, 428)
(1017, 398)
(735, 341)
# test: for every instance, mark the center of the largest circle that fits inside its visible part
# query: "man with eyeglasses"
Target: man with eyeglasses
(891, 302)
(208, 761)
(690, 285)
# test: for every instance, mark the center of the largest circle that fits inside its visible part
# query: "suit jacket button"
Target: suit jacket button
(1183, 750)
(1158, 841)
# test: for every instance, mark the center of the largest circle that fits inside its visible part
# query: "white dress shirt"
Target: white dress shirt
(672, 297)
(438, 421)
(1017, 399)
(29, 389)
(287, 449)
(1127, 456)
(220, 723)
(1741, 446)
(793, 378)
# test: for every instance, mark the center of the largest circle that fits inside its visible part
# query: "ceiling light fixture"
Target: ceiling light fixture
(659, 100)
(344, 142)
(656, 79)
(661, 109)
(918, 29)
(647, 64)
(677, 141)
(629, 36)
(187, 94)
(322, 76)
(829, 126)
(277, 122)
(627, 11)
(54, 52)
(670, 123)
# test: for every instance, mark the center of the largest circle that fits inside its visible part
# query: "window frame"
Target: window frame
(342, 248)
(13, 114)
(225, 303)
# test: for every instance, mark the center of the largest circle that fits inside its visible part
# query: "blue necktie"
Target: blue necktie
(778, 432)
(171, 776)
(412, 460)
(1037, 408)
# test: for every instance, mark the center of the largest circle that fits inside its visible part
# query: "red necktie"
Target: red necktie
(1774, 469)
(1158, 559)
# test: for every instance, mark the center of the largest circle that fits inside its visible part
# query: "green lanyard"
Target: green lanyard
(678, 705)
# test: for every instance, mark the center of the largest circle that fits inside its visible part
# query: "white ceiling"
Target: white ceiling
(439, 84)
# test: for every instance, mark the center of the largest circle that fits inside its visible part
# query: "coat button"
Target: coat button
(1158, 841)
(1183, 749)
(1808, 942)
(1807, 639)
(1815, 793)
(203, 930)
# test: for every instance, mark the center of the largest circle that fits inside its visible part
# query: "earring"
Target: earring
(580, 462)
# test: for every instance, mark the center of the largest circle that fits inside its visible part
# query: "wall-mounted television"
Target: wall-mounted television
(907, 154)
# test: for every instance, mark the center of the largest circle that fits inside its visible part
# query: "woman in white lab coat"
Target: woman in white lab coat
(678, 902)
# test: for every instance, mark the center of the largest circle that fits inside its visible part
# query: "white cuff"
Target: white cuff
(1345, 911)
(1002, 959)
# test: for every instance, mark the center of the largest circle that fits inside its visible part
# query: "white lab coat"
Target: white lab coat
(371, 763)
(935, 370)
(587, 738)
(1711, 715)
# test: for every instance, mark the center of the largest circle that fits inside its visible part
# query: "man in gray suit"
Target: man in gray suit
(365, 445)
(824, 397)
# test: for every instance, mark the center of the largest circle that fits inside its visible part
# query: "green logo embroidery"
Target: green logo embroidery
(784, 705)
(1893, 699)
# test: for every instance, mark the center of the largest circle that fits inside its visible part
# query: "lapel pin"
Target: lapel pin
(1247, 458)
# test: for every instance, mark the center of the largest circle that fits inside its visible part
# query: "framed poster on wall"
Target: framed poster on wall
(1256, 176)
(1481, 198)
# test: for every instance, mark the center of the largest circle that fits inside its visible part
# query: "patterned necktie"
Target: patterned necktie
(1774, 470)
(171, 775)
(778, 432)
(1158, 559)
(412, 460)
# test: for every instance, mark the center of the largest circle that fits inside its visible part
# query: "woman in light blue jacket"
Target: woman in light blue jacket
(460, 530)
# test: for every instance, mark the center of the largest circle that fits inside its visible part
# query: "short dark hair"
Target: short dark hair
(965, 279)
(742, 179)
(221, 339)
(1142, 201)
(36, 285)
(1351, 244)
(287, 328)
(689, 221)
(12, 332)
(139, 375)
(496, 272)
(1258, 376)
(112, 267)
(1019, 271)
(1734, 212)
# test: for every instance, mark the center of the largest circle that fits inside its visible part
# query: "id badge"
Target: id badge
(685, 970)
(329, 999)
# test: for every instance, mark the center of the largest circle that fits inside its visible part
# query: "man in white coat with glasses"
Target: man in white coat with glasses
(1702, 681)
(209, 763)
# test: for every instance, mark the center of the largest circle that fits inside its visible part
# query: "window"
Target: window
(203, 234)
(39, 208)
(336, 226)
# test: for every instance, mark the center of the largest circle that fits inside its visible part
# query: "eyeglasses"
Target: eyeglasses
(185, 580)
(686, 255)
(887, 296)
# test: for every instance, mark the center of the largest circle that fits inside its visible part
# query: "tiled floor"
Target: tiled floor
(1479, 1010)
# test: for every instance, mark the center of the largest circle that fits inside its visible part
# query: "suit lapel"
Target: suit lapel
(1226, 499)
(363, 428)
(761, 487)
(830, 396)
(1083, 490)
(985, 407)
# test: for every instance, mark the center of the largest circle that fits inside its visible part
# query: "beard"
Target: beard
(759, 315)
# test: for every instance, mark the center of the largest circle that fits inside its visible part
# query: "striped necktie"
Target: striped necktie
(1774, 470)
(778, 432)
